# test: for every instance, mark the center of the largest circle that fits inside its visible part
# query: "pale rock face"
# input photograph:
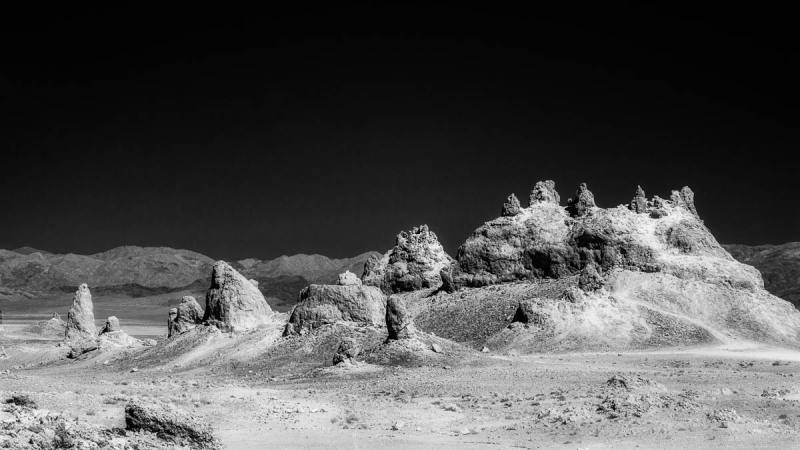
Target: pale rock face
(233, 302)
(80, 320)
(348, 279)
(321, 305)
(415, 262)
(544, 192)
(399, 322)
(255, 282)
(187, 315)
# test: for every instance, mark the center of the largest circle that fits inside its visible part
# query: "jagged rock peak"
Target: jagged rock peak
(582, 203)
(233, 303)
(639, 202)
(511, 207)
(544, 192)
(413, 263)
(684, 198)
(348, 279)
(80, 319)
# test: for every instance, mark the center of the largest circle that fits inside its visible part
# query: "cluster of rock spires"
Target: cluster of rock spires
(413, 263)
(580, 245)
(81, 333)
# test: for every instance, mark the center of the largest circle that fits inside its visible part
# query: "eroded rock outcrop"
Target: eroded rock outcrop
(185, 317)
(233, 303)
(322, 305)
(544, 191)
(348, 279)
(112, 336)
(80, 319)
(582, 203)
(399, 322)
(639, 202)
(170, 422)
(415, 262)
(548, 241)
(511, 207)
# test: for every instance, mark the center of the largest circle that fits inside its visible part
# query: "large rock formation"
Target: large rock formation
(233, 303)
(415, 262)
(185, 317)
(639, 202)
(649, 274)
(80, 319)
(321, 305)
(543, 241)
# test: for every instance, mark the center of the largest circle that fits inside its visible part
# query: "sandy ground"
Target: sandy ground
(737, 395)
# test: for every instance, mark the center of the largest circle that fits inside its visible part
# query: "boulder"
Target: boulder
(80, 319)
(187, 316)
(582, 203)
(414, 263)
(255, 282)
(112, 325)
(233, 303)
(348, 279)
(321, 305)
(169, 422)
(347, 351)
(544, 192)
(399, 322)
(639, 202)
(511, 207)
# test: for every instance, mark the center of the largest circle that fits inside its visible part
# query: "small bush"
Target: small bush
(22, 400)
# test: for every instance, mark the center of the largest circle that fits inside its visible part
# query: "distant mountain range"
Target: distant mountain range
(144, 271)
(779, 266)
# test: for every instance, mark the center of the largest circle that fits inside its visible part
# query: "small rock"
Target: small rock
(134, 369)
(485, 349)
(436, 348)
(398, 425)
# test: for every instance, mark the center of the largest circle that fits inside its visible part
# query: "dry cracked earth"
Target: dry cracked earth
(736, 395)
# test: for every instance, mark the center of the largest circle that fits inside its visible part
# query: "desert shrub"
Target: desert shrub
(21, 400)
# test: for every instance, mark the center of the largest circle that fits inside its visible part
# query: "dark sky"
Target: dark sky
(255, 137)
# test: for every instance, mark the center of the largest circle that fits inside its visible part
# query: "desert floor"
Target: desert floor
(731, 396)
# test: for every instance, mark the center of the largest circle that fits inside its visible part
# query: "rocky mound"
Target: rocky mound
(53, 327)
(645, 275)
(415, 262)
(233, 303)
(170, 423)
(112, 337)
(779, 266)
(321, 305)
